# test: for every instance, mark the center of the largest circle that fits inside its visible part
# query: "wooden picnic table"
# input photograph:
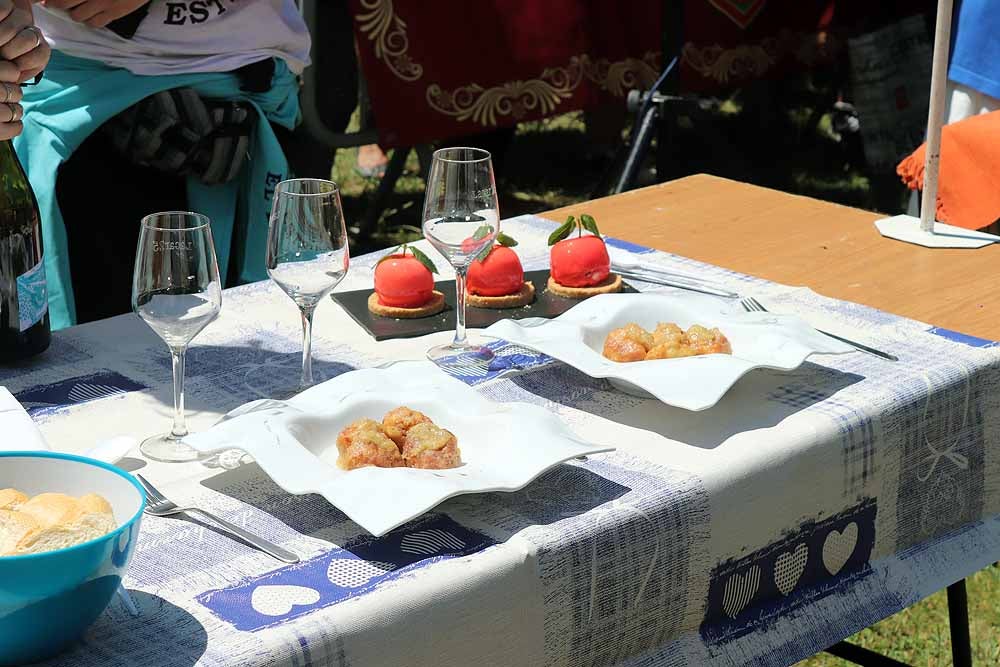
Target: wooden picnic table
(835, 250)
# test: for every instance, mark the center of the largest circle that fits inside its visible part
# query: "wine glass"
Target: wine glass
(307, 254)
(176, 291)
(461, 219)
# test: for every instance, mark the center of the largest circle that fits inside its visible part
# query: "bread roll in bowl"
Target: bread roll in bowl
(48, 599)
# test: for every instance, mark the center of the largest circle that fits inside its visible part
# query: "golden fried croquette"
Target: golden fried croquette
(628, 343)
(363, 443)
(620, 348)
(430, 446)
(670, 351)
(398, 421)
(668, 341)
(667, 333)
(708, 341)
(634, 332)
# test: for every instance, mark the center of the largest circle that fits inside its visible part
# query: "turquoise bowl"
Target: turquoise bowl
(47, 600)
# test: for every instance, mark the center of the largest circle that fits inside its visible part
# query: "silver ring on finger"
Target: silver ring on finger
(38, 36)
(8, 93)
(15, 112)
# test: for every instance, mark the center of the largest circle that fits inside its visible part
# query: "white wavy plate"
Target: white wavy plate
(759, 340)
(504, 445)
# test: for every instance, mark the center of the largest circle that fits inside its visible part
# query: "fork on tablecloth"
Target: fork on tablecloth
(158, 505)
(752, 305)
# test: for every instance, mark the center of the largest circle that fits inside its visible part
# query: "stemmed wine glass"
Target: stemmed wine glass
(307, 253)
(176, 291)
(461, 219)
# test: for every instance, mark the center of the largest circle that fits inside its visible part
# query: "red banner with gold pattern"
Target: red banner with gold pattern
(441, 69)
(447, 68)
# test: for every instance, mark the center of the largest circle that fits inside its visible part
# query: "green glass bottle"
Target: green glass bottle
(24, 308)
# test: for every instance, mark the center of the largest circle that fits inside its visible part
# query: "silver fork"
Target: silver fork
(752, 305)
(158, 505)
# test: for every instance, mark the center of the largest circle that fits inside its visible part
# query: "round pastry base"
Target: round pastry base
(432, 307)
(168, 448)
(522, 297)
(610, 285)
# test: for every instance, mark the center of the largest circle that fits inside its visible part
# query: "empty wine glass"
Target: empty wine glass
(177, 292)
(307, 253)
(461, 219)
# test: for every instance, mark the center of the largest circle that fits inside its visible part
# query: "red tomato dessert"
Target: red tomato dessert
(497, 280)
(580, 262)
(580, 266)
(404, 286)
(499, 274)
(401, 281)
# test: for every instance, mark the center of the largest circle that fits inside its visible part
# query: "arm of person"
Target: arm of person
(23, 55)
(22, 45)
(96, 13)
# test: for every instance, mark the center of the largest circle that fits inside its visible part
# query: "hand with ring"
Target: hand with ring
(24, 53)
(11, 111)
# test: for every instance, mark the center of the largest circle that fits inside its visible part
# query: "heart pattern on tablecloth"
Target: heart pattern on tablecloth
(739, 591)
(86, 391)
(839, 546)
(279, 600)
(788, 568)
(430, 542)
(353, 572)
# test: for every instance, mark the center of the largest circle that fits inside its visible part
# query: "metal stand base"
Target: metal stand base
(907, 228)
(958, 620)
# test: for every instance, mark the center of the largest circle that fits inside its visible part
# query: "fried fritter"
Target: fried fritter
(628, 343)
(363, 443)
(430, 446)
(398, 421)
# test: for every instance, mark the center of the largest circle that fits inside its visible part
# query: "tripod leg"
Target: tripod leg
(385, 189)
(637, 151)
(958, 620)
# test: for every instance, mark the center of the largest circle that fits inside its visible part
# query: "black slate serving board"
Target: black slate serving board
(545, 304)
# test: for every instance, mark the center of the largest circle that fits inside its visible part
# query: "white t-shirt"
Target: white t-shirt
(183, 36)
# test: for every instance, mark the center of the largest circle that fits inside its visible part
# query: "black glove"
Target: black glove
(178, 132)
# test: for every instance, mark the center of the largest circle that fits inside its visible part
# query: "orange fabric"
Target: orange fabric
(969, 180)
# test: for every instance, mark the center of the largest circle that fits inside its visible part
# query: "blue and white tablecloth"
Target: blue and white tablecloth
(802, 508)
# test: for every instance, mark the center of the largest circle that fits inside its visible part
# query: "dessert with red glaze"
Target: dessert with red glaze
(496, 278)
(580, 265)
(404, 286)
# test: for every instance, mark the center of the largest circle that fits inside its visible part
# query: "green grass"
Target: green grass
(779, 137)
(919, 635)
(566, 174)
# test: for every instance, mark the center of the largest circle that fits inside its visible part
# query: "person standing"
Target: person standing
(151, 106)
(974, 66)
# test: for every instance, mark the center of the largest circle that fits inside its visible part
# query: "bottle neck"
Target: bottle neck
(8, 157)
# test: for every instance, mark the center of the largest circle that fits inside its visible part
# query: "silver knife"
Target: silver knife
(656, 279)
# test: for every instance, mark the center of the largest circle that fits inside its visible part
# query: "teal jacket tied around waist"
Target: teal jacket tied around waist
(77, 96)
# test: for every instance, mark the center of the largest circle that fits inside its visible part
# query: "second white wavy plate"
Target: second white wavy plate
(759, 340)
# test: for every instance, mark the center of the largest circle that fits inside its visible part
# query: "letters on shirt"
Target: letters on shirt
(195, 11)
